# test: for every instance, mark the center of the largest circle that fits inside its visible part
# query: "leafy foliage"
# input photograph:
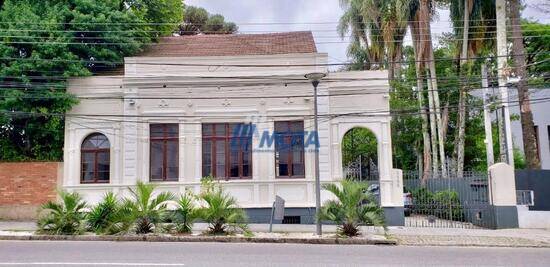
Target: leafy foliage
(197, 20)
(359, 142)
(220, 210)
(186, 213)
(63, 218)
(109, 216)
(353, 207)
(443, 204)
(145, 209)
(44, 42)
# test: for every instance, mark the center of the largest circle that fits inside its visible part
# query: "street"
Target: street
(73, 253)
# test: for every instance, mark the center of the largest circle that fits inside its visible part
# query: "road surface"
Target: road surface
(72, 253)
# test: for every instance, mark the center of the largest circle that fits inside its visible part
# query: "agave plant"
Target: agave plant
(109, 216)
(145, 209)
(186, 213)
(64, 218)
(353, 207)
(220, 210)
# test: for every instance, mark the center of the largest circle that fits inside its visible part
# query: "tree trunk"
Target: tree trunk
(461, 121)
(418, 46)
(425, 18)
(433, 128)
(528, 126)
(425, 135)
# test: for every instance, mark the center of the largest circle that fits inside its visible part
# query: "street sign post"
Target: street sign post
(277, 211)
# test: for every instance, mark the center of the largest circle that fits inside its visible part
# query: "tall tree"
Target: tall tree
(473, 21)
(163, 16)
(518, 57)
(44, 42)
(197, 20)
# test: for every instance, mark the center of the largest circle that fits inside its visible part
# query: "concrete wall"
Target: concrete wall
(25, 186)
(539, 182)
(533, 218)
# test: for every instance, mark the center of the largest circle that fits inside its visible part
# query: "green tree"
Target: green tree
(197, 20)
(162, 16)
(45, 42)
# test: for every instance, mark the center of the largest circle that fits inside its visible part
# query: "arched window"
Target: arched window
(95, 159)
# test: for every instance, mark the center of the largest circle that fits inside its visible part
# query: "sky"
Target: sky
(318, 16)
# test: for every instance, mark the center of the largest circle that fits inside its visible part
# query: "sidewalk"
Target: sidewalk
(409, 236)
(413, 236)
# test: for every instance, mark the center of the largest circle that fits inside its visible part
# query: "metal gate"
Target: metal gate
(454, 202)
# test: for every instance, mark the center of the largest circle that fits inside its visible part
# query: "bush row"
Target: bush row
(145, 211)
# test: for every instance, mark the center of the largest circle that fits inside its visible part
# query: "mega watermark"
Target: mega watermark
(269, 141)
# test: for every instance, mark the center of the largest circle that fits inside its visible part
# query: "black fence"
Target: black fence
(537, 181)
(454, 202)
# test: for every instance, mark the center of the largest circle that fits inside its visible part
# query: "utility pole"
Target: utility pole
(487, 117)
(502, 57)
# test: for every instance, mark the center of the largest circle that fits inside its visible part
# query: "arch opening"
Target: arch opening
(360, 155)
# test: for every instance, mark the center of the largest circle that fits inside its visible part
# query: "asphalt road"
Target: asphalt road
(59, 253)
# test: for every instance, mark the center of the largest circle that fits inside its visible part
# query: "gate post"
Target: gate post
(502, 189)
(391, 198)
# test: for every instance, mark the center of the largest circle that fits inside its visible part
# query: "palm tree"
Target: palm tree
(146, 210)
(472, 21)
(378, 30)
(109, 216)
(353, 207)
(186, 213)
(220, 210)
(64, 218)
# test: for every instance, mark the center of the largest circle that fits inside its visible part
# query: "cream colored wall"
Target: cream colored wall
(129, 136)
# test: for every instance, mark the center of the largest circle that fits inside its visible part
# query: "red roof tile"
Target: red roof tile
(233, 45)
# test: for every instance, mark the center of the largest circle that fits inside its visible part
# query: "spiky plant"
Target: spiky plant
(145, 209)
(220, 210)
(353, 207)
(109, 216)
(186, 213)
(66, 217)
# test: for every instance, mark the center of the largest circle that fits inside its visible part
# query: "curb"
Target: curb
(451, 241)
(218, 239)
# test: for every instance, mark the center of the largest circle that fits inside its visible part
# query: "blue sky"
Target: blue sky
(324, 12)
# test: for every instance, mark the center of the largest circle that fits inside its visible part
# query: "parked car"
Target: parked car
(408, 201)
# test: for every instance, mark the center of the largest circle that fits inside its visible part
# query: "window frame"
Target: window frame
(95, 152)
(226, 138)
(290, 151)
(164, 139)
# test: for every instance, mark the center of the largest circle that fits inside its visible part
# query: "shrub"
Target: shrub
(423, 201)
(109, 216)
(146, 211)
(220, 210)
(448, 205)
(186, 213)
(442, 204)
(353, 207)
(64, 218)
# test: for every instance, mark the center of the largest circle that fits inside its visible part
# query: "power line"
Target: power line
(263, 65)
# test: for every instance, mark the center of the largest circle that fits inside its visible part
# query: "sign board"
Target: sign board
(279, 208)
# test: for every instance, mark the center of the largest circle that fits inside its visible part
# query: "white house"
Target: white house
(541, 119)
(171, 118)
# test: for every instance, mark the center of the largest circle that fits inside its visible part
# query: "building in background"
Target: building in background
(541, 117)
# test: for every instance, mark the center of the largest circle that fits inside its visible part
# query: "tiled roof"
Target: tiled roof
(233, 45)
